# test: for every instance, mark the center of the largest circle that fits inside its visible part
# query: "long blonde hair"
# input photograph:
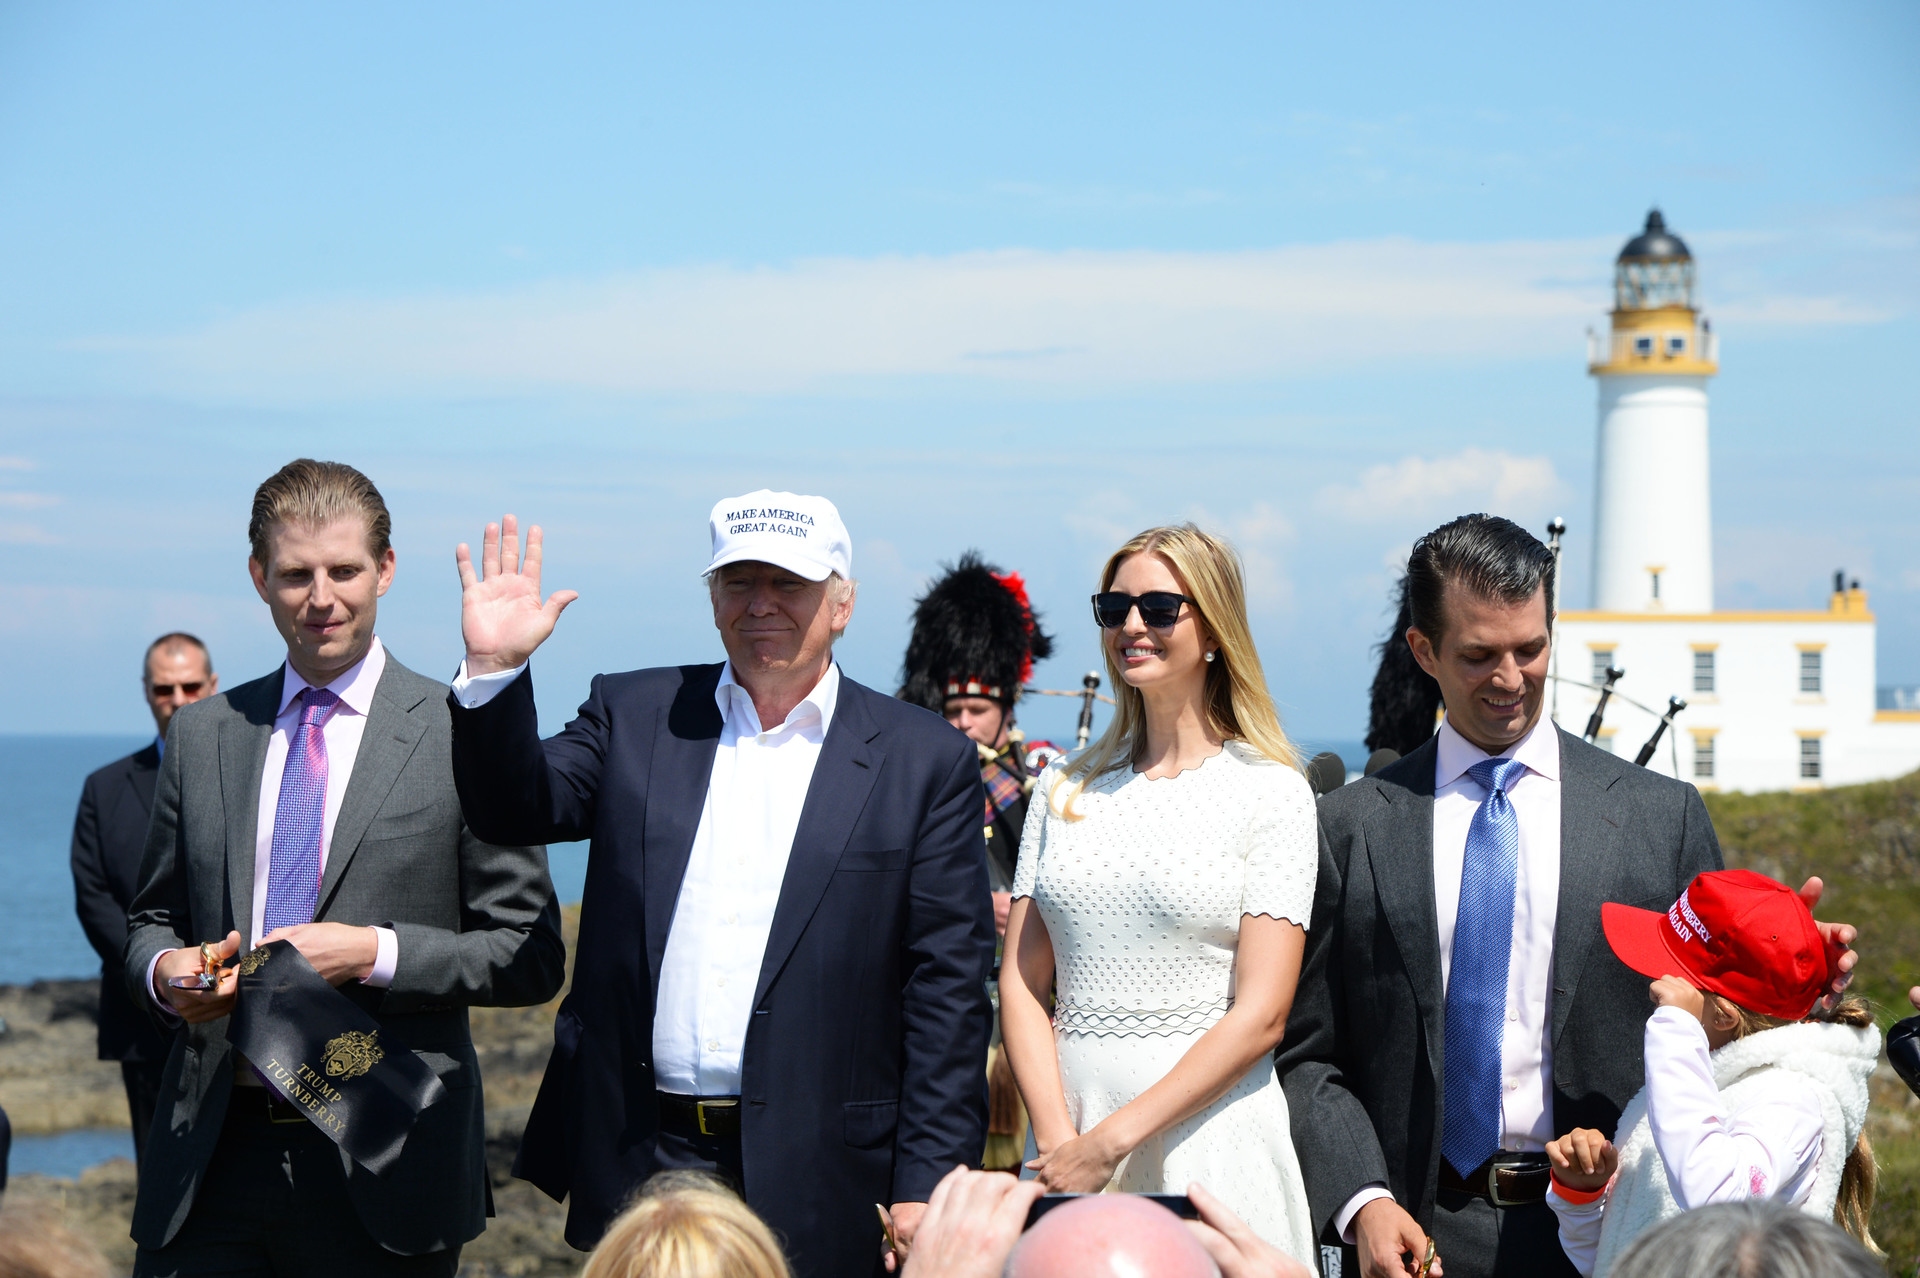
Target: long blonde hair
(1239, 707)
(687, 1225)
(1860, 1175)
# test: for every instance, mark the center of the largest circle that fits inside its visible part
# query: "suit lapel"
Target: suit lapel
(391, 735)
(1590, 825)
(683, 748)
(243, 754)
(1400, 850)
(843, 777)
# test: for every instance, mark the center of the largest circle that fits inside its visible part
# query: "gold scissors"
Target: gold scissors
(886, 1226)
(1426, 1262)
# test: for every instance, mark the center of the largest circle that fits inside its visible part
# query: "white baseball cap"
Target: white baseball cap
(804, 535)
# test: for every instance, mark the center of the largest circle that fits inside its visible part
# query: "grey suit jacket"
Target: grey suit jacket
(1363, 1056)
(477, 926)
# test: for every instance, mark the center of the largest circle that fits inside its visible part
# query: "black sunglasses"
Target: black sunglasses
(1159, 609)
(163, 690)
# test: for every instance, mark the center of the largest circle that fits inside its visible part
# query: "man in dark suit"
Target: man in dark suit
(1459, 1006)
(786, 929)
(109, 834)
(316, 806)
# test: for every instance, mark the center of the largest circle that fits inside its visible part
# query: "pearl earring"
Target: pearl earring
(1212, 655)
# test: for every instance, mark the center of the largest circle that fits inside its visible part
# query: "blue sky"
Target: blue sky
(1317, 276)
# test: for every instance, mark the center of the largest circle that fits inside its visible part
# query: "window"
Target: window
(1676, 344)
(1810, 673)
(1602, 658)
(1655, 574)
(1703, 758)
(1809, 758)
(1703, 671)
(1643, 346)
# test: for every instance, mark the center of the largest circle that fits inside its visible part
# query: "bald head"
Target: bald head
(1110, 1236)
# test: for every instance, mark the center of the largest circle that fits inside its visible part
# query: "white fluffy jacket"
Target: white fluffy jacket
(1829, 1065)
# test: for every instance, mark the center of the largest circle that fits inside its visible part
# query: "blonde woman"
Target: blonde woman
(687, 1224)
(1160, 905)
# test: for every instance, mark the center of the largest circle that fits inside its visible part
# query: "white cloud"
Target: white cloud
(1494, 481)
(16, 463)
(27, 501)
(25, 535)
(1072, 319)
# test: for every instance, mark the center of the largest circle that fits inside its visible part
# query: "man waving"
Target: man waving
(786, 926)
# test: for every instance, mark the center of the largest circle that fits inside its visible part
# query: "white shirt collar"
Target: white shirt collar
(1539, 750)
(735, 703)
(354, 686)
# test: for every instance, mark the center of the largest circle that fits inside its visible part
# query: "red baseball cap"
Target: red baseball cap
(1735, 933)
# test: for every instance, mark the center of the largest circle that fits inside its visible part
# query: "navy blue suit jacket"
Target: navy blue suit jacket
(863, 1078)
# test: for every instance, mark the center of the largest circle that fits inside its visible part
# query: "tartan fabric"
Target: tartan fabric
(1003, 786)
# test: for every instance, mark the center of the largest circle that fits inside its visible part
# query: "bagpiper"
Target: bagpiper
(975, 639)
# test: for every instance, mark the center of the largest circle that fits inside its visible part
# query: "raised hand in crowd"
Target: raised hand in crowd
(1390, 1241)
(195, 1006)
(1239, 1251)
(971, 1223)
(502, 617)
(1583, 1159)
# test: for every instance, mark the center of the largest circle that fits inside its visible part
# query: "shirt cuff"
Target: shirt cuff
(385, 959)
(474, 691)
(154, 994)
(1343, 1220)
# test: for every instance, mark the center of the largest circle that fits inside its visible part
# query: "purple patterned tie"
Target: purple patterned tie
(299, 821)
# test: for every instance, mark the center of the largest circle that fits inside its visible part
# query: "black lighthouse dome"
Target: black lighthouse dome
(1654, 271)
(1656, 243)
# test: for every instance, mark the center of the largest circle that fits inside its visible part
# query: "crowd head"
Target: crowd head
(1109, 1234)
(1761, 1239)
(687, 1225)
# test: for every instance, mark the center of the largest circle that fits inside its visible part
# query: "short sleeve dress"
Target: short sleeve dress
(1142, 898)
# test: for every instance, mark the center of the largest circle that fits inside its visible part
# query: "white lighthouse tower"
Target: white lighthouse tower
(1653, 534)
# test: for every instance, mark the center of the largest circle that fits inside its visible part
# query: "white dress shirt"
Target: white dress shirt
(1526, 1065)
(342, 733)
(724, 913)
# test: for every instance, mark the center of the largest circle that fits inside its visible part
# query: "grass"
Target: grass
(1864, 841)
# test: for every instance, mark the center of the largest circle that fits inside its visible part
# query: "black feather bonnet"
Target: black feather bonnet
(974, 634)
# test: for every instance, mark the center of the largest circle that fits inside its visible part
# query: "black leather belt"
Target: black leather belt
(1505, 1180)
(691, 1116)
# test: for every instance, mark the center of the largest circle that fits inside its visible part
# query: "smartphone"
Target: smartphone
(1179, 1204)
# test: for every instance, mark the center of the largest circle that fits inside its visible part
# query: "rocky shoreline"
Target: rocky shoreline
(50, 1082)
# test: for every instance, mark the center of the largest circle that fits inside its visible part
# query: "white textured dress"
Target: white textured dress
(1142, 898)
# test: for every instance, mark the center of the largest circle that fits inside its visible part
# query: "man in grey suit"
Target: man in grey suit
(316, 806)
(1459, 1006)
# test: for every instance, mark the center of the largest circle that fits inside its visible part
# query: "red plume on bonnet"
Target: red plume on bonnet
(1017, 587)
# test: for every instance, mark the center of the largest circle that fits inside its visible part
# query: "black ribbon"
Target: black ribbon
(332, 1061)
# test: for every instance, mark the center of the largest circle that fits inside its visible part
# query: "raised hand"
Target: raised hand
(502, 617)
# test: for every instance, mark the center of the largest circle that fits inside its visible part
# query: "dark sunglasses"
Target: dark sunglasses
(1159, 609)
(166, 689)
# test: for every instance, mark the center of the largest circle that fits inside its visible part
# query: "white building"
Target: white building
(1774, 700)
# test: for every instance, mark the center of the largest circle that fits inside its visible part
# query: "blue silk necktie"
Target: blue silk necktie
(1477, 976)
(299, 819)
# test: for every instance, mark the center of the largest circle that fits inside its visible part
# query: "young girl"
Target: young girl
(1746, 1097)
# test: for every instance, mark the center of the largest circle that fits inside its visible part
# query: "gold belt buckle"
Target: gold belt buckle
(700, 1109)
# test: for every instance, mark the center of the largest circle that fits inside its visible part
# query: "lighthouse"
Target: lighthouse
(1772, 700)
(1653, 525)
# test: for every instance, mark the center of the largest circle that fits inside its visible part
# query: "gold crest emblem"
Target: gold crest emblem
(251, 961)
(353, 1054)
